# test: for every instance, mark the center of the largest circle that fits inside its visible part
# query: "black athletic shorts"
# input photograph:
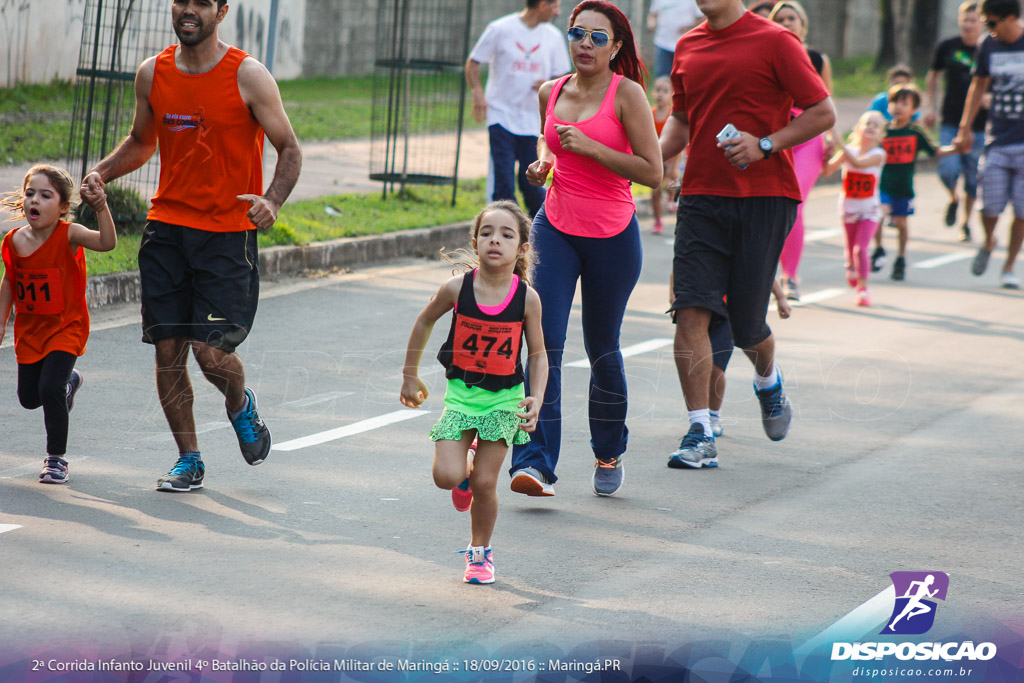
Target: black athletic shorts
(198, 284)
(728, 248)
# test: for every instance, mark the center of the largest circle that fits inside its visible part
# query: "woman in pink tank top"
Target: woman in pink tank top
(598, 138)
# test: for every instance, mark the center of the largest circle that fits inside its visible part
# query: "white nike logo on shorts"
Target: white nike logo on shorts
(209, 316)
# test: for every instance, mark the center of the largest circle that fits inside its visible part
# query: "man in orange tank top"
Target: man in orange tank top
(209, 106)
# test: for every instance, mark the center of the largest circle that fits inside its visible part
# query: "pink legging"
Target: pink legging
(807, 161)
(858, 243)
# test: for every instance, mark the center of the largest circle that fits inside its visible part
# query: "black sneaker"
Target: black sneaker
(187, 474)
(74, 384)
(965, 233)
(899, 269)
(877, 259)
(55, 470)
(253, 436)
(951, 213)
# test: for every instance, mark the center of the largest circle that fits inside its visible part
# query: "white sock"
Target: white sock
(767, 382)
(703, 417)
(716, 414)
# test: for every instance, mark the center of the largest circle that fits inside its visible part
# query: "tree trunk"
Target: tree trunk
(903, 26)
(886, 49)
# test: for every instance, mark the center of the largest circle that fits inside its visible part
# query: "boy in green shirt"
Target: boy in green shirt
(903, 141)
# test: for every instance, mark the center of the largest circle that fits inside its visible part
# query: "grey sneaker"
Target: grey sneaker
(776, 412)
(981, 261)
(608, 475)
(696, 450)
(187, 474)
(74, 384)
(531, 482)
(716, 427)
(253, 436)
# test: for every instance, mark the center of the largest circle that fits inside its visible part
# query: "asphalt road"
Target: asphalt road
(905, 454)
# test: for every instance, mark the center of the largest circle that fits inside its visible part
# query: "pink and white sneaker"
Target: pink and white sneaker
(479, 565)
(851, 277)
(863, 298)
(658, 228)
(462, 495)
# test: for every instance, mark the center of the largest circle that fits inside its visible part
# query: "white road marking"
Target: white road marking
(854, 625)
(350, 430)
(943, 260)
(813, 298)
(635, 350)
(818, 235)
(9, 527)
(314, 400)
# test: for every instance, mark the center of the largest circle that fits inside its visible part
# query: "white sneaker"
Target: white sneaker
(1008, 280)
(716, 426)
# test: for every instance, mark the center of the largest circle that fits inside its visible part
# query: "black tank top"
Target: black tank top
(485, 350)
(817, 60)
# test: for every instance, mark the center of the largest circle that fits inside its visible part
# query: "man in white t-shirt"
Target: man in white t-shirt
(669, 19)
(523, 50)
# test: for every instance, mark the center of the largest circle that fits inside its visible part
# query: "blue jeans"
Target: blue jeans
(663, 61)
(951, 167)
(506, 150)
(608, 269)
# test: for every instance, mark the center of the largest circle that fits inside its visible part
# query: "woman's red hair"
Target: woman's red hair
(627, 61)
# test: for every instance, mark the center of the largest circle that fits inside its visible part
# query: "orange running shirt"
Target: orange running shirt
(211, 147)
(49, 297)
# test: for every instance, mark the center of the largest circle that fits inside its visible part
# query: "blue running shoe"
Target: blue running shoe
(608, 476)
(253, 436)
(696, 450)
(776, 412)
(74, 384)
(55, 470)
(187, 474)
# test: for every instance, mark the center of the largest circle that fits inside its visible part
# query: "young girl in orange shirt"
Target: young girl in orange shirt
(44, 279)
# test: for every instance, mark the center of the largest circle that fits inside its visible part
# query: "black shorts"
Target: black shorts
(198, 284)
(728, 248)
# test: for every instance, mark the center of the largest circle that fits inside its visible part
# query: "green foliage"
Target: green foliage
(856, 77)
(127, 206)
(36, 122)
(123, 257)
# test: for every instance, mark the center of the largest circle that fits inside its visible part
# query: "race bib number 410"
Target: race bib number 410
(39, 292)
(487, 347)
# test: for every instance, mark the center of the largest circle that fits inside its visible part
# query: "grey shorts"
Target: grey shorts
(1002, 179)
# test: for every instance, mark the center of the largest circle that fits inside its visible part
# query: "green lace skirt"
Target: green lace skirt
(492, 414)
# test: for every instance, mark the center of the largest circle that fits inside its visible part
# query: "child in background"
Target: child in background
(862, 161)
(485, 400)
(661, 110)
(45, 281)
(903, 142)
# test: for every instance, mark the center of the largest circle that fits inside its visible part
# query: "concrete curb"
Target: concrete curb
(120, 288)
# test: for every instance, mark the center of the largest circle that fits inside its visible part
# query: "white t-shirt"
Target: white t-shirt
(860, 200)
(674, 17)
(519, 56)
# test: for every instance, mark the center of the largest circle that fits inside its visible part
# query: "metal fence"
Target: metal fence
(116, 36)
(419, 91)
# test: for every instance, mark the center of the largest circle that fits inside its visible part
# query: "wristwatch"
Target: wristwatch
(766, 146)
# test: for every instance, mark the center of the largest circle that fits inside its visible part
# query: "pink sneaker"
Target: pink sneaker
(658, 228)
(851, 277)
(462, 495)
(479, 565)
(862, 298)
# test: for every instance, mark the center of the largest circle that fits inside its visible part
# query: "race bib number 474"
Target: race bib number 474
(39, 292)
(485, 346)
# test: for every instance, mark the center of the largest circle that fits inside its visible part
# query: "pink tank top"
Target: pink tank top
(585, 198)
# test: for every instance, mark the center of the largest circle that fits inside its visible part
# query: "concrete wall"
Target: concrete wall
(39, 39)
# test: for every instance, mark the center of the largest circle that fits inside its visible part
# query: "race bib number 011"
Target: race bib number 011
(859, 185)
(487, 347)
(39, 292)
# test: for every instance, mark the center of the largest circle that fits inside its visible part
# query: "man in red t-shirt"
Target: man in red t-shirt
(738, 200)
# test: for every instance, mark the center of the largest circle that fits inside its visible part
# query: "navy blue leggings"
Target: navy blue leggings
(608, 269)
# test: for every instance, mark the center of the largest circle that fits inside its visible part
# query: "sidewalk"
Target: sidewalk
(343, 166)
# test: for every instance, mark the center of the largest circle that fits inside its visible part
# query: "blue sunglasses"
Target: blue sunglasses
(598, 37)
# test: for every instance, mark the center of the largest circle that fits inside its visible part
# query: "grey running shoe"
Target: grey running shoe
(696, 450)
(965, 233)
(253, 436)
(74, 384)
(187, 474)
(716, 427)
(531, 482)
(776, 412)
(55, 470)
(792, 289)
(981, 261)
(608, 475)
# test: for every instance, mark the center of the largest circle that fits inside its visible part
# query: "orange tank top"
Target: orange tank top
(49, 297)
(211, 147)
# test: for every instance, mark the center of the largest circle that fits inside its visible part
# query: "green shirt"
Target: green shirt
(902, 145)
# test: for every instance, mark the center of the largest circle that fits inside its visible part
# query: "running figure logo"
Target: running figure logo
(914, 612)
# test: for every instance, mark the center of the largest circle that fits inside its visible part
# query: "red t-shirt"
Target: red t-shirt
(749, 74)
